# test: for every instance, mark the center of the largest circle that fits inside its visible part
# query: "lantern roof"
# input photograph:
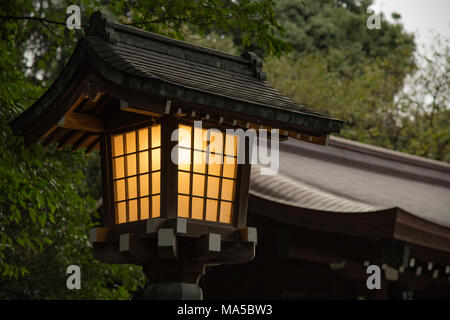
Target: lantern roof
(156, 75)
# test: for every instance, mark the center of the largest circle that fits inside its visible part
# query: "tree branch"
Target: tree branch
(33, 18)
(159, 20)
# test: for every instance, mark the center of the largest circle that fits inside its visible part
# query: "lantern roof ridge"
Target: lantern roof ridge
(103, 26)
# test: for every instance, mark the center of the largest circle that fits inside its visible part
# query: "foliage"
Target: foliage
(48, 43)
(425, 105)
(342, 68)
(45, 211)
(310, 25)
(339, 24)
(212, 40)
(415, 120)
(333, 49)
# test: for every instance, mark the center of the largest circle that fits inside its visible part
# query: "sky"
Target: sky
(420, 17)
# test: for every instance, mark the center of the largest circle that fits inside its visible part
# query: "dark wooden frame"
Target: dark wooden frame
(169, 177)
(206, 174)
(109, 214)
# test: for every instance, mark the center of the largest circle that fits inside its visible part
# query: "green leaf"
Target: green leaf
(33, 214)
(42, 219)
(40, 200)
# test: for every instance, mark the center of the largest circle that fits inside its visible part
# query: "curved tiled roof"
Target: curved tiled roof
(140, 61)
(348, 176)
(355, 189)
(282, 189)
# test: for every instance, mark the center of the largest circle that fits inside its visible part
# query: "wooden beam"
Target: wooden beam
(139, 111)
(243, 184)
(109, 253)
(169, 170)
(93, 145)
(248, 234)
(320, 140)
(208, 247)
(34, 138)
(232, 253)
(108, 218)
(104, 102)
(48, 132)
(79, 143)
(83, 122)
(99, 234)
(116, 119)
(167, 244)
(153, 225)
(136, 249)
(51, 137)
(69, 139)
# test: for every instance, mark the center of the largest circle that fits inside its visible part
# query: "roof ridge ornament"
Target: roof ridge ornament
(257, 64)
(101, 25)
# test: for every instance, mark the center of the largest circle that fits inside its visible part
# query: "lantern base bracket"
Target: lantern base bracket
(174, 252)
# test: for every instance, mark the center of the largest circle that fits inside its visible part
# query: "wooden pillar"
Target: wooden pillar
(169, 170)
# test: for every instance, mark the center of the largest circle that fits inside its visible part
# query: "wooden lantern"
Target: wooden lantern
(135, 96)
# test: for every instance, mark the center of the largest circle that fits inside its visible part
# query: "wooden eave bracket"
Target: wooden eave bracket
(221, 121)
(82, 122)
